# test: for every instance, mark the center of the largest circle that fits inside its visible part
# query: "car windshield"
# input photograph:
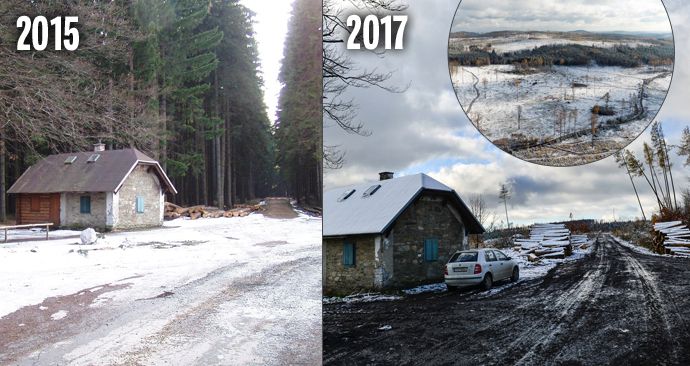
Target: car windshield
(464, 257)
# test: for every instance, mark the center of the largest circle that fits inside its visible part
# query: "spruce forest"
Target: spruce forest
(180, 81)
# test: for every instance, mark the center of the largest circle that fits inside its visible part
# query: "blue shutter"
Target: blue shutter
(85, 204)
(140, 204)
(430, 250)
(348, 254)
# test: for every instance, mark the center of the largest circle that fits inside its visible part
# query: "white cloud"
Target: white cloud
(599, 15)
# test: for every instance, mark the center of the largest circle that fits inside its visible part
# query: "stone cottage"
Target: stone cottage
(393, 233)
(105, 189)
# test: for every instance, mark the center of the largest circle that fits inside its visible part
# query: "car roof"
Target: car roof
(476, 250)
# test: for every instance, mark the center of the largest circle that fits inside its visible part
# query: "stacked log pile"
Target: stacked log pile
(173, 211)
(551, 241)
(676, 237)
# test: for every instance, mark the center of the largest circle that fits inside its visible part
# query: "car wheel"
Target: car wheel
(516, 274)
(487, 282)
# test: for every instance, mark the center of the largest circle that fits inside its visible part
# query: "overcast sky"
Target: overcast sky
(568, 15)
(424, 130)
(270, 28)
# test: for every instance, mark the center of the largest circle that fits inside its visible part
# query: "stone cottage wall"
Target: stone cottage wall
(428, 218)
(341, 280)
(71, 217)
(143, 183)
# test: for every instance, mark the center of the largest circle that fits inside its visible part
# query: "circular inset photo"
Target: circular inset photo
(561, 83)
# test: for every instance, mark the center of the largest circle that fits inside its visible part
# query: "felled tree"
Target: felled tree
(624, 163)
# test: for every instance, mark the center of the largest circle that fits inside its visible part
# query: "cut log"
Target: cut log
(554, 256)
(542, 252)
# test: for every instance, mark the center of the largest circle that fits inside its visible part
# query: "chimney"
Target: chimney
(99, 147)
(386, 175)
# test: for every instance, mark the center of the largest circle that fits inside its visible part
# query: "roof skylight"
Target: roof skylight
(371, 190)
(346, 195)
(70, 159)
(93, 158)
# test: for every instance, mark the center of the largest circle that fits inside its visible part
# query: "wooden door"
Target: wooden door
(38, 209)
(55, 209)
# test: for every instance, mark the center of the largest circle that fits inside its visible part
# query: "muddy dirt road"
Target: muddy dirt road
(279, 208)
(614, 307)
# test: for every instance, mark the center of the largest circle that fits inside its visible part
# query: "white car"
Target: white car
(480, 267)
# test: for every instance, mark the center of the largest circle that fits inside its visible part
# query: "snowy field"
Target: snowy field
(493, 99)
(213, 291)
(529, 41)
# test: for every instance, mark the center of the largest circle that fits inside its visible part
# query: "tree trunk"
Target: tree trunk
(229, 166)
(204, 173)
(162, 116)
(218, 164)
(670, 173)
(505, 204)
(3, 178)
(636, 194)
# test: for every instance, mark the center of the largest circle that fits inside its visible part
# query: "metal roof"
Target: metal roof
(376, 213)
(53, 174)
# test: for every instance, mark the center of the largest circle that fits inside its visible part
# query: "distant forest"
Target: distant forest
(178, 79)
(571, 55)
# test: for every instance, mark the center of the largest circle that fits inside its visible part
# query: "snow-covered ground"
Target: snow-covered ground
(220, 291)
(637, 248)
(529, 41)
(492, 99)
(36, 233)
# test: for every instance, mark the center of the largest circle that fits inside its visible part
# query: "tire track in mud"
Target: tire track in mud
(540, 336)
(658, 307)
(590, 292)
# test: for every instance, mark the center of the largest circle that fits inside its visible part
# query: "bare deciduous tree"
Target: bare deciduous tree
(485, 216)
(340, 72)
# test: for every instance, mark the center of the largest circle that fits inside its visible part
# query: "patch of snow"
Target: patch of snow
(58, 315)
(365, 297)
(434, 287)
(385, 327)
(636, 248)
